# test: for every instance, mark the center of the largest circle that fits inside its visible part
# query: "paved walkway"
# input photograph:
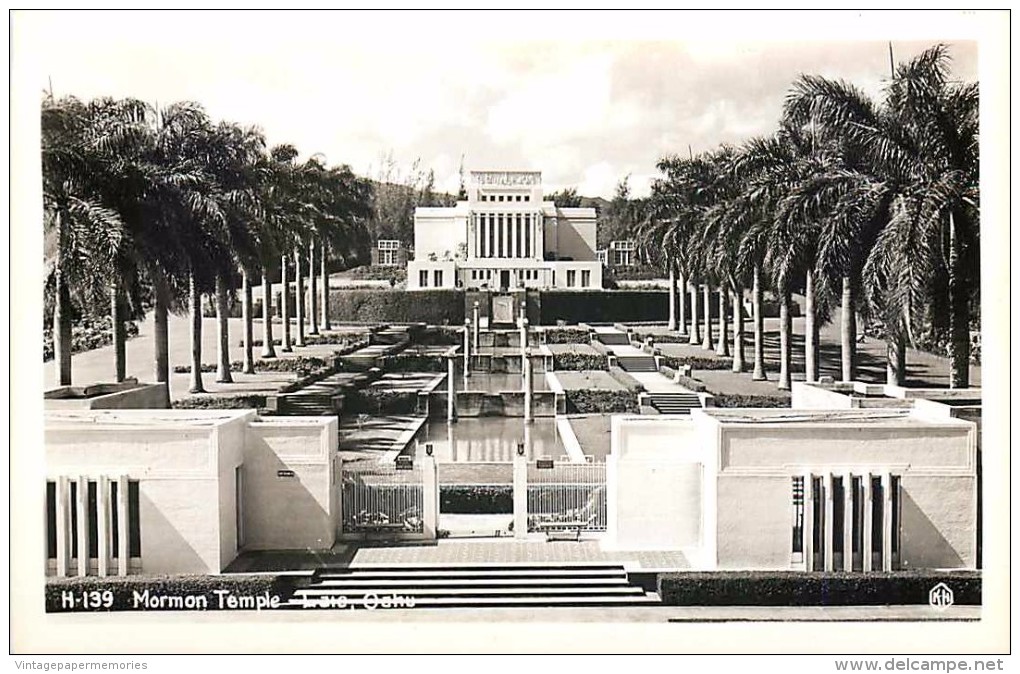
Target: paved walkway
(450, 552)
(923, 369)
(653, 382)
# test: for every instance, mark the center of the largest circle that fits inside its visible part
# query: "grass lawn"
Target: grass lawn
(584, 380)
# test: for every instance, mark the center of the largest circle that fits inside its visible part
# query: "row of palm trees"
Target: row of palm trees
(868, 205)
(148, 207)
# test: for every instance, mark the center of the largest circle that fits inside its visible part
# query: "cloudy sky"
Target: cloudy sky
(586, 98)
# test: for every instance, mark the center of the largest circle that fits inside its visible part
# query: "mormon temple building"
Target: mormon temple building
(505, 236)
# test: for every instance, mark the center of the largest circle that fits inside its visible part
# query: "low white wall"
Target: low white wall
(804, 396)
(284, 512)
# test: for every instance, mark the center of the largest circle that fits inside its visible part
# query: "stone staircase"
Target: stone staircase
(674, 403)
(637, 363)
(613, 338)
(482, 586)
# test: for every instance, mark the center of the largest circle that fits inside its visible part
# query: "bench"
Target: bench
(562, 530)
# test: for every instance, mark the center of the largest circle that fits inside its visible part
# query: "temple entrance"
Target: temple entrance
(504, 279)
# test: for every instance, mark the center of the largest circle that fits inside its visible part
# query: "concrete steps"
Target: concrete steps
(637, 363)
(532, 585)
(674, 403)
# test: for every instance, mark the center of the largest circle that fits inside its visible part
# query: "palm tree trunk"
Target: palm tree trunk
(299, 299)
(738, 330)
(695, 330)
(285, 303)
(681, 296)
(268, 348)
(672, 296)
(222, 331)
(161, 334)
(759, 327)
(249, 320)
(119, 335)
(324, 270)
(785, 328)
(959, 313)
(313, 317)
(195, 306)
(722, 344)
(706, 339)
(62, 330)
(848, 332)
(810, 329)
(896, 354)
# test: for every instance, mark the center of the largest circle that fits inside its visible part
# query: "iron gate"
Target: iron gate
(567, 495)
(381, 498)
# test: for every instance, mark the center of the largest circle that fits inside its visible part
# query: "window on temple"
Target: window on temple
(571, 278)
(585, 278)
(438, 277)
(423, 278)
(797, 531)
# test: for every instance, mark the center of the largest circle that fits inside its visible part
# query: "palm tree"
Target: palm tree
(919, 146)
(82, 235)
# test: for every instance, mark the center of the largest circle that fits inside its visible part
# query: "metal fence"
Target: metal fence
(568, 495)
(382, 498)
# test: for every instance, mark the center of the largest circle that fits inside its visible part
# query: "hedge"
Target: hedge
(380, 401)
(792, 588)
(88, 334)
(580, 361)
(594, 401)
(414, 362)
(747, 400)
(699, 362)
(625, 380)
(685, 381)
(566, 336)
(202, 590)
(662, 337)
(435, 307)
(603, 306)
(476, 499)
(241, 401)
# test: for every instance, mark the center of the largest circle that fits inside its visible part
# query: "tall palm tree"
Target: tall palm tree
(82, 235)
(920, 146)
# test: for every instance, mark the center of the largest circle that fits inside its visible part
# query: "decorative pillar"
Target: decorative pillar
(887, 531)
(123, 526)
(827, 524)
(82, 506)
(467, 349)
(474, 320)
(520, 496)
(868, 523)
(63, 517)
(430, 497)
(450, 393)
(529, 387)
(103, 524)
(523, 323)
(848, 522)
(809, 522)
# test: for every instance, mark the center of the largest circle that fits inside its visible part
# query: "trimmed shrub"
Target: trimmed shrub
(564, 335)
(580, 361)
(414, 362)
(685, 381)
(235, 366)
(595, 401)
(603, 306)
(662, 337)
(380, 401)
(793, 588)
(435, 307)
(88, 334)
(625, 380)
(747, 400)
(476, 499)
(241, 401)
(699, 362)
(124, 591)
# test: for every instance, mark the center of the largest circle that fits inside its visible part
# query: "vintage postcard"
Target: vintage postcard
(447, 332)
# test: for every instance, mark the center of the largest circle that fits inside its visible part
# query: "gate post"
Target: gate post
(339, 486)
(520, 496)
(450, 393)
(430, 497)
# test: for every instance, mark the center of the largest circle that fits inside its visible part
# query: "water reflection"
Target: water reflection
(496, 382)
(490, 439)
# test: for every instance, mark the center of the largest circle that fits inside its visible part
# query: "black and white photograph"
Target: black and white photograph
(564, 332)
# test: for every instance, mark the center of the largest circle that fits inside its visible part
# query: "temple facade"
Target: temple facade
(504, 236)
